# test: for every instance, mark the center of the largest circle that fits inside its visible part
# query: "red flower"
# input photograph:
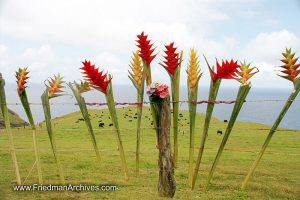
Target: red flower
(228, 70)
(172, 60)
(95, 78)
(21, 76)
(145, 51)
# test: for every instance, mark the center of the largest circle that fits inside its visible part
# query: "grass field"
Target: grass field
(277, 176)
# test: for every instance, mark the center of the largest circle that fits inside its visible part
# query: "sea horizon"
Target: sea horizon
(262, 104)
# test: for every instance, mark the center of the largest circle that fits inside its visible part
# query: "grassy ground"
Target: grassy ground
(277, 176)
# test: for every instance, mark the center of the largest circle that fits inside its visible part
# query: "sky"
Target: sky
(54, 36)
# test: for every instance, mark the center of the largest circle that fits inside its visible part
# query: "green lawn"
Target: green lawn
(277, 176)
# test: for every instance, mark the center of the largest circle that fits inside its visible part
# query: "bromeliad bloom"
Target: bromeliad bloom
(136, 75)
(55, 85)
(245, 72)
(227, 70)
(96, 79)
(291, 71)
(83, 86)
(172, 59)
(21, 76)
(290, 67)
(193, 70)
(145, 51)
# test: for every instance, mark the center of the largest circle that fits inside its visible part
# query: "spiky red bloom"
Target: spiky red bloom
(145, 51)
(95, 78)
(228, 70)
(172, 60)
(21, 76)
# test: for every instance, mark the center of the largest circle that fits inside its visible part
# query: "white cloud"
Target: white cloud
(3, 50)
(106, 30)
(268, 46)
(107, 25)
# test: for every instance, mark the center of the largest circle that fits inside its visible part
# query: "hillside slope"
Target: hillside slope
(15, 120)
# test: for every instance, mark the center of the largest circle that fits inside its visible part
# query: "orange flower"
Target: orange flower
(290, 67)
(21, 76)
(83, 86)
(137, 70)
(55, 86)
(245, 72)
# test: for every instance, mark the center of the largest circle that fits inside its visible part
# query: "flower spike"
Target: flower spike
(21, 76)
(290, 67)
(227, 70)
(96, 79)
(172, 59)
(245, 72)
(137, 70)
(193, 70)
(55, 86)
(145, 51)
(83, 86)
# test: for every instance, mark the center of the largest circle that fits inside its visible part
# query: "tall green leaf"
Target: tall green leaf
(47, 114)
(5, 114)
(82, 105)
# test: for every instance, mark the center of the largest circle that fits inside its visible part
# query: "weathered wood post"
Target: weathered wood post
(166, 181)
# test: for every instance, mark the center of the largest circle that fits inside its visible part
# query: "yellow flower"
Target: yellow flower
(193, 70)
(136, 73)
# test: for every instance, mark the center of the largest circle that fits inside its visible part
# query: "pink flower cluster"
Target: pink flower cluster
(158, 89)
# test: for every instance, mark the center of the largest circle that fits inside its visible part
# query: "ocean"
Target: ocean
(259, 106)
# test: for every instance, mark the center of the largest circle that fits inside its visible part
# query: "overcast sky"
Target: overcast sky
(54, 36)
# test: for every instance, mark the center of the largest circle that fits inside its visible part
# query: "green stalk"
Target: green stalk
(82, 105)
(47, 114)
(25, 104)
(175, 98)
(272, 131)
(138, 130)
(147, 73)
(192, 97)
(5, 114)
(241, 96)
(111, 106)
(213, 92)
(175, 80)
